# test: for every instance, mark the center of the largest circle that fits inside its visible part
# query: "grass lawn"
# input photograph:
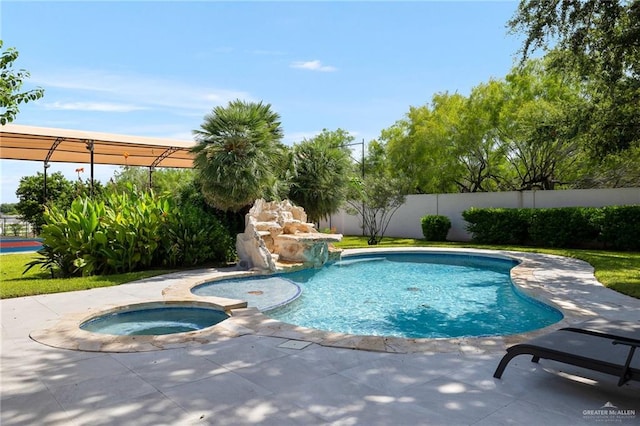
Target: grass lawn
(38, 281)
(619, 271)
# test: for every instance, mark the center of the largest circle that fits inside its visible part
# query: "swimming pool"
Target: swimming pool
(414, 295)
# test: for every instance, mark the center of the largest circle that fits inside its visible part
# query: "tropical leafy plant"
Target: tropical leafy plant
(129, 231)
(193, 236)
(73, 241)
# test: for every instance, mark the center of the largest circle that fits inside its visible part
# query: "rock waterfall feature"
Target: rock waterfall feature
(277, 236)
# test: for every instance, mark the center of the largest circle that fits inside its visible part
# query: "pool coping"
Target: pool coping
(571, 277)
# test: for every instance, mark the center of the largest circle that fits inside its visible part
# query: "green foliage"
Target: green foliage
(192, 236)
(497, 225)
(620, 227)
(598, 41)
(239, 155)
(15, 229)
(601, 37)
(32, 200)
(320, 178)
(539, 126)
(8, 208)
(420, 146)
(11, 82)
(72, 242)
(191, 194)
(615, 226)
(162, 180)
(101, 237)
(129, 231)
(563, 227)
(515, 133)
(375, 200)
(133, 222)
(435, 227)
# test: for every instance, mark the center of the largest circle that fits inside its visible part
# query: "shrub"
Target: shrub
(74, 242)
(193, 236)
(562, 227)
(497, 225)
(128, 232)
(435, 227)
(620, 227)
(615, 226)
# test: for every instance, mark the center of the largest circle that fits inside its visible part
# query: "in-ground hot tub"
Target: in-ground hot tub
(152, 319)
(146, 326)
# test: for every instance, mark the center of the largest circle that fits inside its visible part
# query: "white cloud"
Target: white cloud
(92, 106)
(315, 65)
(143, 91)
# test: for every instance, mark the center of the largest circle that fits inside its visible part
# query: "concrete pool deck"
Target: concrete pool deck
(259, 371)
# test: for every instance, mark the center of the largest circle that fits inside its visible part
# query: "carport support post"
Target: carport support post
(46, 166)
(90, 148)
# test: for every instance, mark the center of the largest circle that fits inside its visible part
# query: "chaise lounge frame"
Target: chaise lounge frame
(607, 348)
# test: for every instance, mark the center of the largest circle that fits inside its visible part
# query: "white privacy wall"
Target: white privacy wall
(406, 221)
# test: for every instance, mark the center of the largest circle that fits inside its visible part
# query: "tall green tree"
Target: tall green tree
(162, 179)
(321, 173)
(11, 82)
(417, 145)
(476, 145)
(540, 125)
(239, 155)
(30, 192)
(449, 145)
(8, 208)
(600, 41)
(601, 38)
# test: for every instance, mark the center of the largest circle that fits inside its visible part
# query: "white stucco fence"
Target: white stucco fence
(406, 221)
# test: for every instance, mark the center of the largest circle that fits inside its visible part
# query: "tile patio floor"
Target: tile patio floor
(256, 379)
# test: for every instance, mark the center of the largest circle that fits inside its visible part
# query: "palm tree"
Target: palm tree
(322, 168)
(239, 154)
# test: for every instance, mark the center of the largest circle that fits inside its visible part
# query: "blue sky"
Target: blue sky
(156, 68)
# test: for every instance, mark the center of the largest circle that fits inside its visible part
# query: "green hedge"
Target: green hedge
(563, 227)
(620, 226)
(435, 227)
(498, 225)
(617, 227)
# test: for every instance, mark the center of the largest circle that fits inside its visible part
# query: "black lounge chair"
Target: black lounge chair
(607, 347)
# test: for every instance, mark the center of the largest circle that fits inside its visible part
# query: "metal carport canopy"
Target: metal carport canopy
(19, 142)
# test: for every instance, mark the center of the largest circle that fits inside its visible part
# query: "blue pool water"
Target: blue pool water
(264, 293)
(154, 321)
(414, 296)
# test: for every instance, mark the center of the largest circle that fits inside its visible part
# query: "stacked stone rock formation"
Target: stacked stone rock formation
(277, 233)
